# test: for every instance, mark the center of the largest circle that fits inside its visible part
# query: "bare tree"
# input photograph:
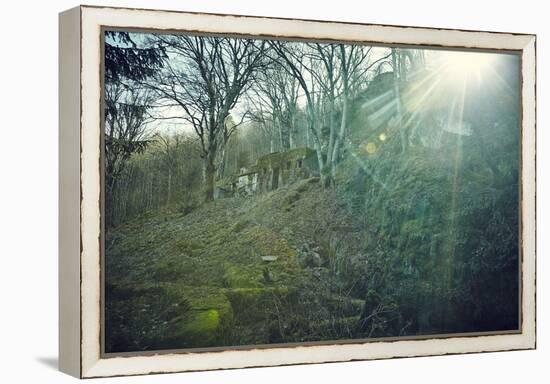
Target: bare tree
(354, 64)
(274, 103)
(329, 75)
(395, 58)
(295, 58)
(170, 146)
(202, 82)
(126, 118)
(264, 115)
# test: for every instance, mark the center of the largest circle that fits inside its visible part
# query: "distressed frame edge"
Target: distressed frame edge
(69, 192)
(528, 145)
(94, 366)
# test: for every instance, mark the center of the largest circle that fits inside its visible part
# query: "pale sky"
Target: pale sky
(453, 63)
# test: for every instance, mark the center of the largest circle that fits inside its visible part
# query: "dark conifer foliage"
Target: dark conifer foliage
(125, 61)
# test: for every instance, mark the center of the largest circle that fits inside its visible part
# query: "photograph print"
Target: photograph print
(261, 192)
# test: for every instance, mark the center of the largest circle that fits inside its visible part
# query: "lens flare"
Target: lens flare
(371, 148)
(462, 66)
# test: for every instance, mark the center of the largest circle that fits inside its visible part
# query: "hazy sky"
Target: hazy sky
(457, 67)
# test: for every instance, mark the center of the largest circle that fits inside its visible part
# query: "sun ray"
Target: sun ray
(458, 108)
(378, 99)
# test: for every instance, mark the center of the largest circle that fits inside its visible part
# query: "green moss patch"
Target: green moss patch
(244, 276)
(267, 243)
(252, 305)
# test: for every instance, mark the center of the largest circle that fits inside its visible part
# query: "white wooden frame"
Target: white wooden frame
(79, 258)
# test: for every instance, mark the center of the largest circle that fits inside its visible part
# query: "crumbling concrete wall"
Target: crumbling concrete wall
(270, 172)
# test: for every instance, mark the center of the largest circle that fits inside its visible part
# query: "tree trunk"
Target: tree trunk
(271, 139)
(215, 126)
(169, 189)
(332, 129)
(324, 172)
(209, 178)
(397, 96)
(223, 163)
(340, 137)
(285, 134)
(291, 143)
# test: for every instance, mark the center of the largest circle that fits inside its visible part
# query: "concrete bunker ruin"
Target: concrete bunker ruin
(272, 171)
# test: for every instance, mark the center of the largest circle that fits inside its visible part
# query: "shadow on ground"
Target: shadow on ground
(48, 361)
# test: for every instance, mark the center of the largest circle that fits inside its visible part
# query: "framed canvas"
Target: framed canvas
(251, 191)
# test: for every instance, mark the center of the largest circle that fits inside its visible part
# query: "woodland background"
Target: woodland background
(410, 226)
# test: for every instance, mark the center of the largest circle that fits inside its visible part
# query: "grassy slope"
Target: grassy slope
(207, 267)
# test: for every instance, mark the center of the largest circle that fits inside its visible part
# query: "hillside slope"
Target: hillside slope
(237, 271)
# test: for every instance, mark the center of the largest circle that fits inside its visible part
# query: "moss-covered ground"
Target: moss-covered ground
(176, 280)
